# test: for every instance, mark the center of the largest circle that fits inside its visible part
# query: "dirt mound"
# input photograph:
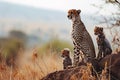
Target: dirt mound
(78, 73)
(89, 71)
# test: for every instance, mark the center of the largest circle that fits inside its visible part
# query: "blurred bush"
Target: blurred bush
(18, 35)
(11, 45)
(55, 45)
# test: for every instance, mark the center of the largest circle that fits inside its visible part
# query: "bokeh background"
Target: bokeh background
(30, 27)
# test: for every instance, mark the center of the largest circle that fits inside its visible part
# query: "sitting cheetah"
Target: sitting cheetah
(67, 62)
(104, 47)
(81, 38)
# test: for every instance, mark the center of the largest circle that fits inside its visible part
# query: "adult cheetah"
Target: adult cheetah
(81, 38)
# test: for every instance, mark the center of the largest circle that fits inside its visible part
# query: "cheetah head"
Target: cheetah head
(98, 30)
(65, 52)
(73, 14)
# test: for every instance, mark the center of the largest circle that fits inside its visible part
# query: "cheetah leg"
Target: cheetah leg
(100, 48)
(83, 57)
(99, 56)
(76, 56)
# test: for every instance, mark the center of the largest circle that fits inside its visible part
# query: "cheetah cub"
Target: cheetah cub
(104, 47)
(67, 62)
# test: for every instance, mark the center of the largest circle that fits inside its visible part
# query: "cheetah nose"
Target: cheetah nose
(68, 16)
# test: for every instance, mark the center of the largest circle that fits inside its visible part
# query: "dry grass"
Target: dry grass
(35, 67)
(32, 67)
(85, 72)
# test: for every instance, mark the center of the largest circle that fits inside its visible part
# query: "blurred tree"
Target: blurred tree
(116, 18)
(11, 45)
(18, 35)
(113, 1)
(113, 21)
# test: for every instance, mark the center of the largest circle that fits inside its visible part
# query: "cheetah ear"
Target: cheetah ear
(78, 11)
(95, 27)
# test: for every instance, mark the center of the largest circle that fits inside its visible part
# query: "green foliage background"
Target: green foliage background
(55, 45)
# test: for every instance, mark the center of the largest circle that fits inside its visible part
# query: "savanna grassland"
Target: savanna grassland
(16, 63)
(39, 62)
(19, 63)
(35, 67)
(32, 67)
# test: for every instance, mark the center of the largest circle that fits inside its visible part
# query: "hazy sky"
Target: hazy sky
(63, 5)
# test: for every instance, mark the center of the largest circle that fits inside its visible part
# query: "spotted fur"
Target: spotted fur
(67, 62)
(104, 47)
(81, 38)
